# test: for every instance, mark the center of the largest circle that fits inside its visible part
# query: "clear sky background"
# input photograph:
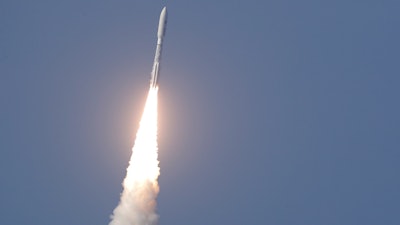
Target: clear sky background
(279, 112)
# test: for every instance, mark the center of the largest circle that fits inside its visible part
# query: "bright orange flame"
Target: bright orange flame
(138, 199)
(144, 163)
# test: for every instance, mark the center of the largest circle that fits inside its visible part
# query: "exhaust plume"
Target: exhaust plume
(138, 198)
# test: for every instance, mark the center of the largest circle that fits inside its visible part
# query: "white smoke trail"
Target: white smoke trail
(138, 199)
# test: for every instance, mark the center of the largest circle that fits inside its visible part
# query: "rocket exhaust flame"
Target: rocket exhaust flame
(138, 199)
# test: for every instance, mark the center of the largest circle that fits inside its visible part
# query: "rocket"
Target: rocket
(162, 26)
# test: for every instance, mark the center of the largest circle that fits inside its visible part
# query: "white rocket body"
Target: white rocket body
(162, 26)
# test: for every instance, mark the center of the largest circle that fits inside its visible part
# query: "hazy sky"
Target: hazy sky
(279, 112)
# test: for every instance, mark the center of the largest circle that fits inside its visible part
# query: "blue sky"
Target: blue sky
(271, 112)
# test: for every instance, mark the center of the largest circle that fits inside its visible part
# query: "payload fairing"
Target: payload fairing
(162, 26)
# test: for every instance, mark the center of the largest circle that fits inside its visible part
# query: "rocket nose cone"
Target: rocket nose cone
(163, 12)
(162, 23)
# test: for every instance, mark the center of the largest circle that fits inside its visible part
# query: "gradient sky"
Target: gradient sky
(278, 112)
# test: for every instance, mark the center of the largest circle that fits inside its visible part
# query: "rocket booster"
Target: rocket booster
(162, 26)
